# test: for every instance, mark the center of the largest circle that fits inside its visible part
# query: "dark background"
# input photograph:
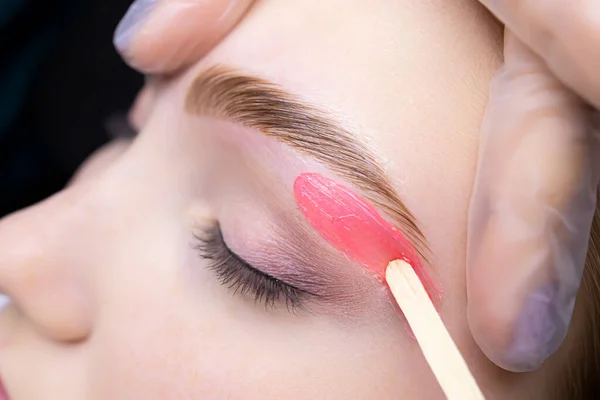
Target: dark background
(60, 81)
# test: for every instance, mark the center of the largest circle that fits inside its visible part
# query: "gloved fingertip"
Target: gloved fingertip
(136, 16)
(539, 331)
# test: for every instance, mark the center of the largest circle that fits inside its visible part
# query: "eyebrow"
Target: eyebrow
(222, 92)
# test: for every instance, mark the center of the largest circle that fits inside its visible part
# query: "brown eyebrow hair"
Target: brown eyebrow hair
(222, 92)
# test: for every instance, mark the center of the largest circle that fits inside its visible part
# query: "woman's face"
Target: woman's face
(124, 286)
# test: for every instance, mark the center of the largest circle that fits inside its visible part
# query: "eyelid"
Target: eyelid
(241, 277)
(297, 255)
(271, 234)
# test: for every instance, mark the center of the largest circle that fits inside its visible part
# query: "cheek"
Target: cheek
(174, 334)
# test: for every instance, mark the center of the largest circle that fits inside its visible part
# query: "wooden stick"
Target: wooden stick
(439, 349)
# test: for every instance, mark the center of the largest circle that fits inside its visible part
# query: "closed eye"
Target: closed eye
(242, 278)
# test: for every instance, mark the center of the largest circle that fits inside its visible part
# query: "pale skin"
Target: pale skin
(111, 300)
(538, 115)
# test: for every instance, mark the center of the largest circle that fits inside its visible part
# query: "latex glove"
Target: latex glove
(161, 36)
(535, 191)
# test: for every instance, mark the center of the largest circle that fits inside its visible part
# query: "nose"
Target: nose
(41, 270)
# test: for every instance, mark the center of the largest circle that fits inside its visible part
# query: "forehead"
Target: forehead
(408, 78)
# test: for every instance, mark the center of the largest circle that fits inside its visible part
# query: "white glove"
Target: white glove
(535, 191)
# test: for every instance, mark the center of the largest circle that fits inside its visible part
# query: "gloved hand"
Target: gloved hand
(535, 191)
(161, 36)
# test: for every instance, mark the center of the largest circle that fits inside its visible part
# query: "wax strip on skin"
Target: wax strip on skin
(355, 228)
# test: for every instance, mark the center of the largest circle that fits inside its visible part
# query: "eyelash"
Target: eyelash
(237, 275)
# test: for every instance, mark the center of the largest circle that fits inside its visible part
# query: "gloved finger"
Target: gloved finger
(566, 34)
(161, 36)
(531, 210)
